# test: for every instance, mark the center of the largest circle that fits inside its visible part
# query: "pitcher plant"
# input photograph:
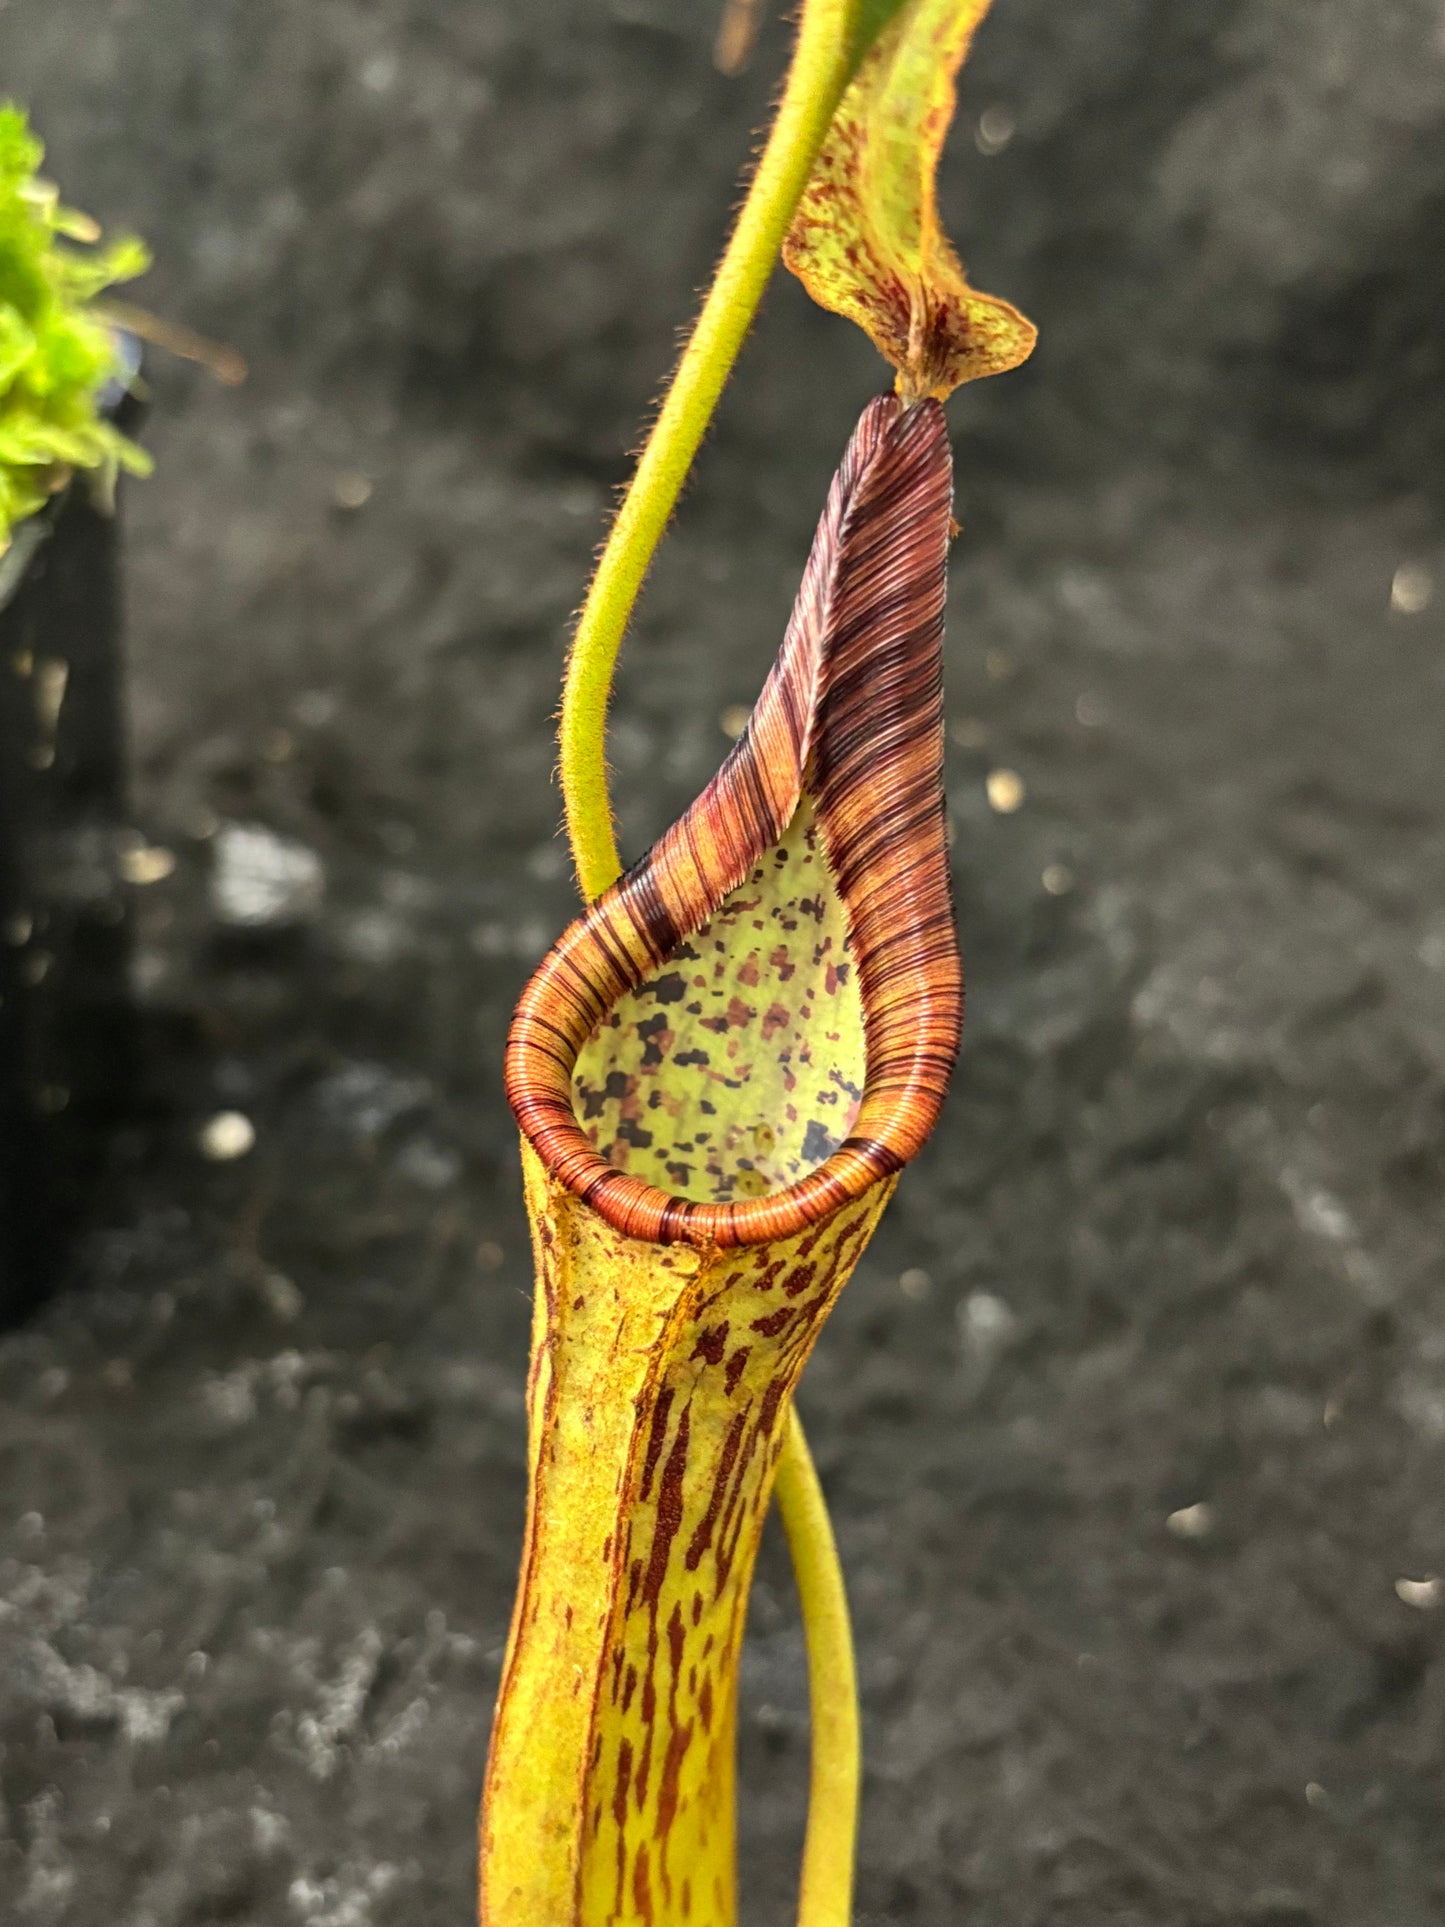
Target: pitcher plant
(723, 1064)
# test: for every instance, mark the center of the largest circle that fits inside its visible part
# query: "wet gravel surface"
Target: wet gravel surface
(1134, 1418)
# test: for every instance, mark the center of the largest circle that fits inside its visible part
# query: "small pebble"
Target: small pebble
(147, 863)
(51, 679)
(1005, 791)
(994, 131)
(986, 1325)
(1058, 879)
(915, 1283)
(1191, 1521)
(228, 1135)
(734, 720)
(1422, 1594)
(261, 881)
(283, 1299)
(352, 491)
(1316, 1794)
(380, 72)
(1411, 589)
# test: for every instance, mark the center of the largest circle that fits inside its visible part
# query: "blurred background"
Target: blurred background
(1133, 1419)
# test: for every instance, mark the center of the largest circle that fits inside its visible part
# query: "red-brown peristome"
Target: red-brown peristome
(851, 718)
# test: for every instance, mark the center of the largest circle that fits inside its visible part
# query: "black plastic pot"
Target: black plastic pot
(66, 1033)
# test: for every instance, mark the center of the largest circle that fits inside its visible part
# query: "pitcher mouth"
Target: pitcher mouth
(843, 753)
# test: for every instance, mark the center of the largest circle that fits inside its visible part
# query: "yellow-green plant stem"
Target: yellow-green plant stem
(822, 61)
(826, 1894)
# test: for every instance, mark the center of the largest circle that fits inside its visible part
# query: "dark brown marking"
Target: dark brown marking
(702, 1533)
(712, 1343)
(669, 1511)
(678, 1741)
(624, 1776)
(775, 1322)
(655, 1438)
(642, 1885)
(735, 1368)
(675, 1637)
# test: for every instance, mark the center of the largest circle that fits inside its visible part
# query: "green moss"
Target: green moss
(56, 355)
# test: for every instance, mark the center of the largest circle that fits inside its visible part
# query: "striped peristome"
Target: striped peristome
(849, 726)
